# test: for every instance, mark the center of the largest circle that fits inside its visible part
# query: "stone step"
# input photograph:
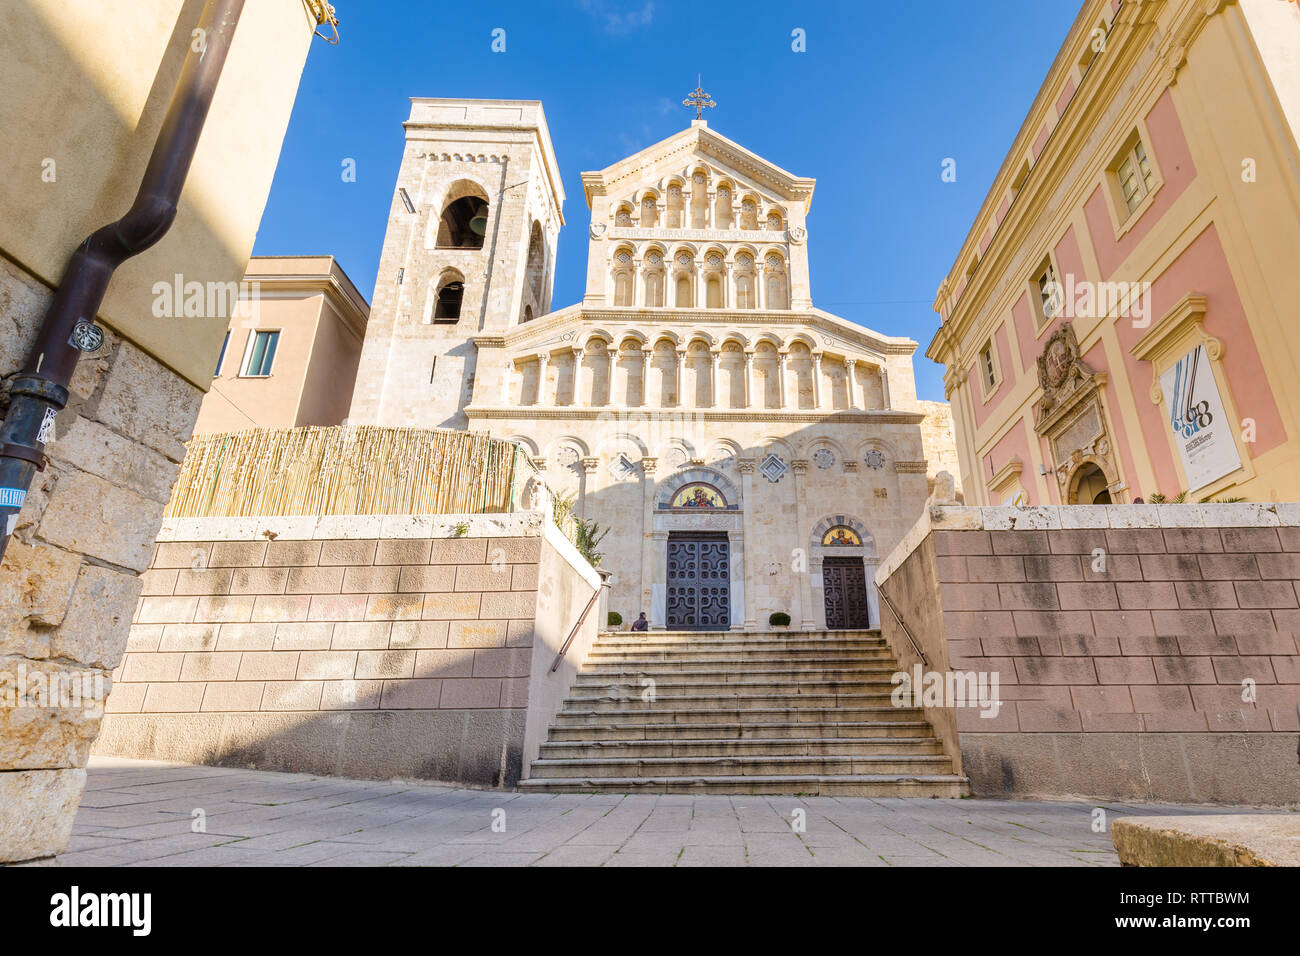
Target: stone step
(739, 640)
(662, 713)
(848, 785)
(732, 747)
(601, 729)
(727, 655)
(742, 766)
(696, 703)
(691, 637)
(674, 689)
(687, 672)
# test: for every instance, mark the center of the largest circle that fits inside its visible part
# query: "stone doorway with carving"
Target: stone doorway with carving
(1089, 486)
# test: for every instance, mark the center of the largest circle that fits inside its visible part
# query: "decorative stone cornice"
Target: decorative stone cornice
(1169, 335)
(806, 416)
(915, 467)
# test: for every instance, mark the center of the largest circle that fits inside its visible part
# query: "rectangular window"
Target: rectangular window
(261, 355)
(1134, 175)
(221, 359)
(987, 367)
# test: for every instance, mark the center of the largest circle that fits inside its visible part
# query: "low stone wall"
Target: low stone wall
(379, 647)
(1142, 652)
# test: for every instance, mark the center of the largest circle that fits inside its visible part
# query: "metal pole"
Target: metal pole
(41, 389)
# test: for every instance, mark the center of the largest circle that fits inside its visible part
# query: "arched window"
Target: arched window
(463, 223)
(775, 280)
(447, 308)
(528, 313)
(722, 209)
(623, 277)
(649, 213)
(654, 280)
(536, 268)
(713, 293)
(774, 223)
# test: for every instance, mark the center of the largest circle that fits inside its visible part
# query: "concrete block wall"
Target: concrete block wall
(1142, 652)
(369, 647)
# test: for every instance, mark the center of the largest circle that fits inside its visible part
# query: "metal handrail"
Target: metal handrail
(880, 588)
(595, 596)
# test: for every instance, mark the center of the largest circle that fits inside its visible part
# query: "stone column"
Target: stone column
(659, 587)
(760, 289)
(749, 379)
(645, 377)
(715, 357)
(578, 398)
(884, 386)
(710, 198)
(746, 467)
(507, 382)
(543, 359)
(809, 590)
(849, 373)
(638, 284)
(681, 378)
(648, 468)
(817, 379)
(782, 358)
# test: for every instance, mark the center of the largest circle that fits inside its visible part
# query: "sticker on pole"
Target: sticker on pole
(87, 336)
(46, 434)
(12, 497)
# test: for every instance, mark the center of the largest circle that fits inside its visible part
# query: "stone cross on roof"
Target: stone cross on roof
(699, 99)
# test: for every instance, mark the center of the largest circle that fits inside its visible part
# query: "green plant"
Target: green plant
(778, 619)
(587, 537)
(1181, 499)
(460, 530)
(615, 619)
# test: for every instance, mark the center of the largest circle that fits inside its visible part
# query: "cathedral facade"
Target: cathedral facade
(748, 453)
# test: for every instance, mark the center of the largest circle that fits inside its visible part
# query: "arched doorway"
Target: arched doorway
(844, 553)
(1090, 486)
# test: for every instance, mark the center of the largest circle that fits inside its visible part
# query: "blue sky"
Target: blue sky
(884, 94)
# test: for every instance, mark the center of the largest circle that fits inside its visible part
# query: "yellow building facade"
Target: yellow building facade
(1120, 322)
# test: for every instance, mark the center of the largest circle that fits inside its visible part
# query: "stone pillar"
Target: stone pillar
(681, 378)
(760, 290)
(746, 467)
(782, 358)
(507, 382)
(817, 379)
(648, 468)
(710, 198)
(849, 373)
(809, 590)
(749, 378)
(638, 284)
(578, 355)
(645, 377)
(543, 359)
(715, 358)
(884, 387)
(659, 587)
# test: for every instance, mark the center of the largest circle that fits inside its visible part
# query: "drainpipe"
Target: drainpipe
(40, 390)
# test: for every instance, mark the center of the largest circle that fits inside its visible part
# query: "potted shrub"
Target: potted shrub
(779, 619)
(615, 619)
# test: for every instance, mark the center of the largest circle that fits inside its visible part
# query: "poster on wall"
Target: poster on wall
(1199, 424)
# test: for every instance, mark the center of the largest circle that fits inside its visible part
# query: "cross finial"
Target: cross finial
(699, 99)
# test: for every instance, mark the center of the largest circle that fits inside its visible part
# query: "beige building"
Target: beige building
(748, 452)
(1120, 321)
(291, 350)
(86, 90)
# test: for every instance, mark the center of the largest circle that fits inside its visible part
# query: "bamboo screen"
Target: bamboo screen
(361, 470)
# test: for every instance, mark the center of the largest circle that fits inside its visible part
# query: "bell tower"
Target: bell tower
(469, 253)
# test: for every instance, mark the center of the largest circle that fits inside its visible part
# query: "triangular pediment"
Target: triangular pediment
(679, 153)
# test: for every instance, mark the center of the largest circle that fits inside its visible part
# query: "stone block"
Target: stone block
(355, 552)
(370, 580)
(303, 636)
(187, 637)
(291, 695)
(94, 630)
(1055, 670)
(456, 662)
(990, 569)
(173, 698)
(327, 665)
(224, 609)
(461, 551)
(146, 637)
(503, 604)
(452, 606)
(215, 581)
(355, 635)
(403, 552)
(418, 634)
(37, 810)
(470, 693)
(1115, 624)
(233, 696)
(270, 581)
(292, 554)
(277, 608)
(515, 550)
(155, 409)
(147, 668)
(427, 578)
(351, 695)
(412, 694)
(948, 543)
(337, 607)
(237, 554)
(1265, 594)
(88, 515)
(315, 580)
(394, 607)
(477, 634)
(1125, 670)
(246, 637)
(1235, 670)
(268, 666)
(158, 582)
(380, 665)
(1184, 670)
(210, 667)
(1084, 596)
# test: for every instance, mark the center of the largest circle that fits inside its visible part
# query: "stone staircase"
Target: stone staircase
(770, 712)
